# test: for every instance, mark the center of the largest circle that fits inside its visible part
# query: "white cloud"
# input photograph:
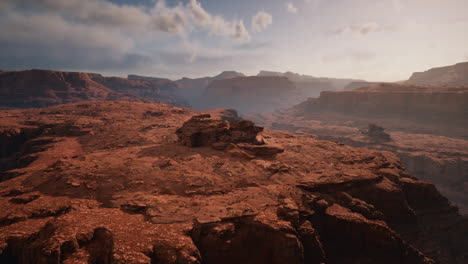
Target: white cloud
(98, 34)
(178, 19)
(217, 25)
(291, 8)
(362, 29)
(261, 21)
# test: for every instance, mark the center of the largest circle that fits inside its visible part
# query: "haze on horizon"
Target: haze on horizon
(376, 40)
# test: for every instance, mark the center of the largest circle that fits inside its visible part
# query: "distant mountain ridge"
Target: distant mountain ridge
(252, 93)
(192, 89)
(311, 86)
(44, 88)
(449, 75)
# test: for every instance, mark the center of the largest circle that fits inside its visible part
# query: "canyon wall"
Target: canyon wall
(149, 89)
(43, 88)
(421, 103)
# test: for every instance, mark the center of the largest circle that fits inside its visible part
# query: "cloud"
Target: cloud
(101, 35)
(178, 19)
(362, 29)
(25, 44)
(291, 8)
(216, 24)
(261, 21)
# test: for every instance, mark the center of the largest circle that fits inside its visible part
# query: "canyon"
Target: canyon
(427, 127)
(120, 170)
(136, 182)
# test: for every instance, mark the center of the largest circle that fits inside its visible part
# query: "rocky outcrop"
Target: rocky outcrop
(120, 185)
(449, 75)
(239, 137)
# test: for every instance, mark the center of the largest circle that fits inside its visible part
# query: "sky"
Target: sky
(375, 40)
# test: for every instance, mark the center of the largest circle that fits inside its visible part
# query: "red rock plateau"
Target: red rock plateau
(252, 94)
(449, 75)
(43, 88)
(134, 182)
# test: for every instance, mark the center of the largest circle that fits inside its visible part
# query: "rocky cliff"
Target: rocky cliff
(425, 104)
(193, 89)
(42, 88)
(449, 75)
(252, 94)
(131, 182)
(149, 89)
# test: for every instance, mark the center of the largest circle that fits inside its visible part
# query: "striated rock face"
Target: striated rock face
(149, 89)
(117, 184)
(43, 88)
(425, 104)
(248, 94)
(449, 75)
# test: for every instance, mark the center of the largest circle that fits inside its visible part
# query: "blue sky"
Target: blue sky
(377, 40)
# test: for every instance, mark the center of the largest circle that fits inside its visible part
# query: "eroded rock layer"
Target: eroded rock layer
(44, 88)
(425, 104)
(116, 182)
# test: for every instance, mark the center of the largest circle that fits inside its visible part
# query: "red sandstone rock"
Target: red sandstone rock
(116, 186)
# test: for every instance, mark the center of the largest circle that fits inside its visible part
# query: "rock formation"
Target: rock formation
(449, 75)
(43, 88)
(193, 89)
(115, 182)
(240, 138)
(376, 133)
(446, 105)
(151, 90)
